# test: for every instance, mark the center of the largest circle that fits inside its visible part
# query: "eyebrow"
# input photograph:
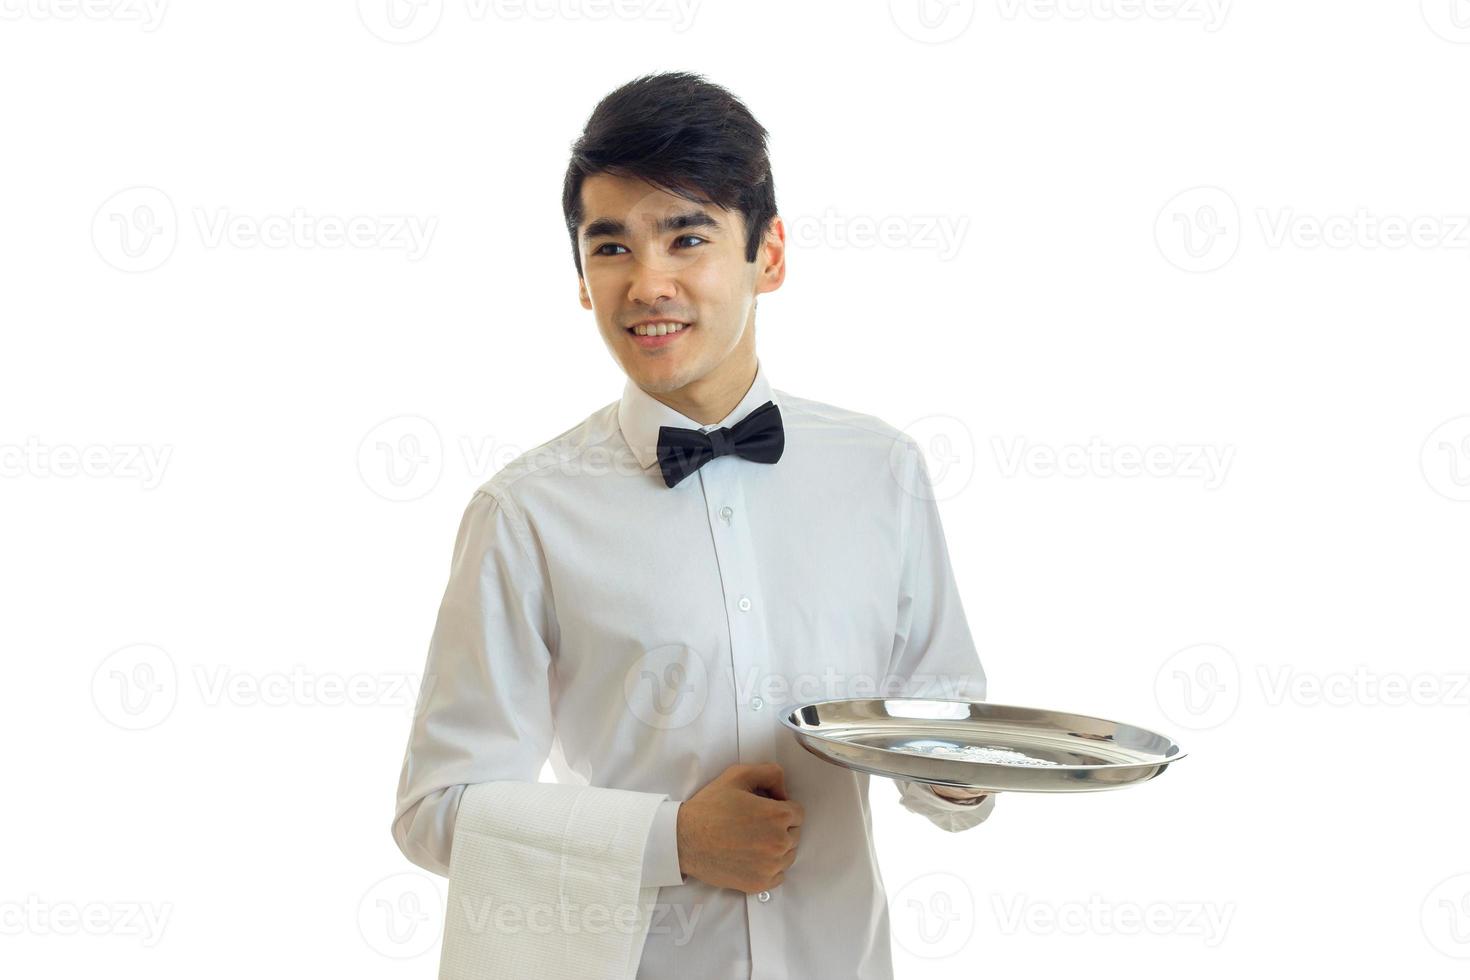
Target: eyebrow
(613, 228)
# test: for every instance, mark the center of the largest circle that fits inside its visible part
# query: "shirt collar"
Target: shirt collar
(640, 415)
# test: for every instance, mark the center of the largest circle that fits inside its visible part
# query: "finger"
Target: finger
(767, 776)
(777, 783)
(751, 777)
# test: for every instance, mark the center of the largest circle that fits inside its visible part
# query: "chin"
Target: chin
(659, 378)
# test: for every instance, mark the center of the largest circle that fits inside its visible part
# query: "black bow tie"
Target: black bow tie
(759, 437)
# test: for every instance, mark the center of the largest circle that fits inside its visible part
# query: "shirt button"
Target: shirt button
(744, 603)
(726, 513)
(764, 896)
(757, 703)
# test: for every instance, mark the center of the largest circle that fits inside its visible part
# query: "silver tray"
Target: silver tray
(978, 745)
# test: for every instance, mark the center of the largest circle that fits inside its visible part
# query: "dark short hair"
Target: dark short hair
(685, 134)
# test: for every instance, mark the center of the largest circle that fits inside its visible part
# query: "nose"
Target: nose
(652, 284)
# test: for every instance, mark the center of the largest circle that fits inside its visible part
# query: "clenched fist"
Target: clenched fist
(740, 831)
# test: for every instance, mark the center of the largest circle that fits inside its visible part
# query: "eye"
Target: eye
(695, 237)
(599, 250)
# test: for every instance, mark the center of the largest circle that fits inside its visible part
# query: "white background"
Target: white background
(1181, 231)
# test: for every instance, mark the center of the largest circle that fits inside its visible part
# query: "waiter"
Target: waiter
(638, 598)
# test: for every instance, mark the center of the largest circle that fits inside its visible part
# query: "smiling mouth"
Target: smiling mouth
(658, 329)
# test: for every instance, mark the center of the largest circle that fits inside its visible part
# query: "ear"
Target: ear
(772, 258)
(582, 294)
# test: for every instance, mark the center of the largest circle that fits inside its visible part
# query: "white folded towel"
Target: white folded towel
(544, 881)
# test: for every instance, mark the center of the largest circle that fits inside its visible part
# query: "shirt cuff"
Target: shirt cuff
(661, 853)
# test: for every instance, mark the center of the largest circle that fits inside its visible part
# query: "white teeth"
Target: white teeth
(658, 329)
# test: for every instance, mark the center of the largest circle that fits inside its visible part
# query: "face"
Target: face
(649, 255)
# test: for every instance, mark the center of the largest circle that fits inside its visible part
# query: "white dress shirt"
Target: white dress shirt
(644, 637)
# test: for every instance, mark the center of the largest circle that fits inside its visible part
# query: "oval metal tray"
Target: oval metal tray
(980, 745)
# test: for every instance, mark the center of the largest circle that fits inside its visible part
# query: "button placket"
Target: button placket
(749, 661)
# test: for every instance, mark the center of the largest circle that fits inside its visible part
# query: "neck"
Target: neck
(714, 396)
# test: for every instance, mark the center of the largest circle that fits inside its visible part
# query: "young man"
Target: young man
(640, 597)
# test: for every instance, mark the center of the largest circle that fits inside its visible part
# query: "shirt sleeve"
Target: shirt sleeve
(484, 706)
(661, 854)
(934, 655)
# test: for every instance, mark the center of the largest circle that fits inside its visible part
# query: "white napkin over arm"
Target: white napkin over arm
(544, 881)
(484, 719)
